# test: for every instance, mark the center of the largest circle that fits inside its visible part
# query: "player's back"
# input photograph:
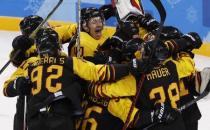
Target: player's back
(161, 85)
(49, 75)
(97, 116)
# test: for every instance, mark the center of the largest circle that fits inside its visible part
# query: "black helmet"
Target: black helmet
(29, 24)
(47, 42)
(88, 13)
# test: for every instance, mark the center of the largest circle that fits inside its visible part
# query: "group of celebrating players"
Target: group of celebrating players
(124, 78)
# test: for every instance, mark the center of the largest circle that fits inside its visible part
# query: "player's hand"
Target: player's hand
(17, 57)
(158, 51)
(111, 43)
(139, 66)
(130, 47)
(164, 113)
(107, 10)
(127, 30)
(22, 86)
(100, 57)
(22, 42)
(193, 40)
(148, 22)
(187, 42)
(170, 32)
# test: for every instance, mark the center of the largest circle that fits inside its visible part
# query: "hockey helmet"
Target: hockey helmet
(29, 24)
(47, 42)
(88, 13)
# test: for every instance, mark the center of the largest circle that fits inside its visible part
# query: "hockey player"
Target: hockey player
(96, 109)
(107, 91)
(192, 114)
(45, 95)
(23, 44)
(26, 49)
(93, 33)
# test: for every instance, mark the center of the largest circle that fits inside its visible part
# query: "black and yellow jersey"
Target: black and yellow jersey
(187, 92)
(161, 84)
(49, 75)
(80, 67)
(97, 116)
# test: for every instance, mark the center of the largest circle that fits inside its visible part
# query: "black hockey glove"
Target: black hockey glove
(187, 42)
(170, 32)
(22, 86)
(158, 51)
(130, 47)
(107, 10)
(148, 22)
(137, 67)
(114, 42)
(100, 57)
(22, 42)
(193, 40)
(164, 113)
(127, 30)
(17, 58)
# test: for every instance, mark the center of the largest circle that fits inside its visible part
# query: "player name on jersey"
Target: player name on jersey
(49, 60)
(158, 73)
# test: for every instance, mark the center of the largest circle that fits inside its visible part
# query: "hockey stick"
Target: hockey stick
(205, 93)
(33, 34)
(78, 28)
(162, 13)
(25, 112)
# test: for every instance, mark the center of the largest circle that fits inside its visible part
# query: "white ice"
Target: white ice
(7, 105)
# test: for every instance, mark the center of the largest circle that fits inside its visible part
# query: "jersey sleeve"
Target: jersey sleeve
(8, 88)
(120, 108)
(122, 88)
(98, 73)
(185, 65)
(65, 32)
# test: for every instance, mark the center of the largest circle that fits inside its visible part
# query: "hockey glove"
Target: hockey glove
(163, 113)
(114, 42)
(17, 58)
(170, 32)
(193, 40)
(107, 10)
(22, 42)
(137, 67)
(127, 30)
(148, 22)
(156, 51)
(129, 48)
(22, 86)
(187, 42)
(100, 57)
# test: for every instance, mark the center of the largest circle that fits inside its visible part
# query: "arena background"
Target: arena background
(187, 15)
